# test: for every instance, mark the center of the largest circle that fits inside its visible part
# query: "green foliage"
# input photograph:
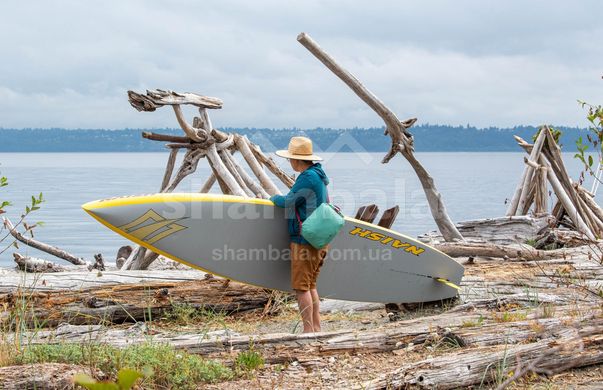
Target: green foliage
(594, 137)
(249, 360)
(170, 368)
(186, 314)
(33, 206)
(125, 381)
(473, 323)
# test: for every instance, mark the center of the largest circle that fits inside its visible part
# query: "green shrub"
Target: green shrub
(170, 368)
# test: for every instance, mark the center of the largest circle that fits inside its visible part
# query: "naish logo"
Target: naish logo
(386, 240)
(157, 229)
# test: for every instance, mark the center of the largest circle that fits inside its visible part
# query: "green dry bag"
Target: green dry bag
(322, 225)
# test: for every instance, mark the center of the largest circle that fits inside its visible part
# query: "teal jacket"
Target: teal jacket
(307, 193)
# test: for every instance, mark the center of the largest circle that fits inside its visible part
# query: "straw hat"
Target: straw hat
(300, 148)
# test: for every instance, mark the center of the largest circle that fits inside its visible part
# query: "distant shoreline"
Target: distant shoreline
(427, 138)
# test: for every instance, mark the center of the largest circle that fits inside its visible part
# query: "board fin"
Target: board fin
(448, 283)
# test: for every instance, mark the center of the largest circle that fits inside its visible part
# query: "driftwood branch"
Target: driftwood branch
(158, 98)
(242, 144)
(398, 131)
(223, 172)
(271, 165)
(197, 135)
(169, 169)
(53, 250)
(164, 137)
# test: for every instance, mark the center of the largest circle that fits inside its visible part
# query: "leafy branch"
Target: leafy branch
(594, 137)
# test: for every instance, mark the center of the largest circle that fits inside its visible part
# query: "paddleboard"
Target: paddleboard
(246, 239)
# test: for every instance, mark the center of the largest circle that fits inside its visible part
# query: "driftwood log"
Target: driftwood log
(32, 264)
(133, 302)
(398, 131)
(573, 348)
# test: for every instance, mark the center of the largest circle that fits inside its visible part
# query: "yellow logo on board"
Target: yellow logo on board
(386, 240)
(158, 229)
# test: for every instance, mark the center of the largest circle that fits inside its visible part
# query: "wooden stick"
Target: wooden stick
(590, 202)
(231, 166)
(257, 190)
(521, 191)
(208, 183)
(271, 165)
(223, 187)
(158, 98)
(188, 166)
(242, 145)
(400, 137)
(192, 133)
(53, 250)
(164, 137)
(530, 198)
(553, 153)
(541, 194)
(223, 173)
(597, 224)
(169, 169)
(204, 119)
(566, 201)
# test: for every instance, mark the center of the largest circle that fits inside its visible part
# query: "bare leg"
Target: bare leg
(304, 302)
(315, 310)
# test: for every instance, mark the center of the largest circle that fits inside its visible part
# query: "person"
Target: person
(306, 194)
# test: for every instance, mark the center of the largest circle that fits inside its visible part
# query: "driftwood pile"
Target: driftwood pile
(201, 140)
(541, 314)
(575, 206)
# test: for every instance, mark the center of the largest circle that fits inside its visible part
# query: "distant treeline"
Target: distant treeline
(428, 138)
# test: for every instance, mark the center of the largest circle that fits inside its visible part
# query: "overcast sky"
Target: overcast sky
(487, 63)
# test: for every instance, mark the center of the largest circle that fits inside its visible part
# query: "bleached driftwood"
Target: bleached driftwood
(202, 140)
(231, 166)
(169, 169)
(52, 250)
(574, 348)
(501, 231)
(398, 131)
(80, 280)
(271, 165)
(522, 187)
(582, 213)
(223, 172)
(158, 98)
(243, 147)
(32, 264)
(517, 251)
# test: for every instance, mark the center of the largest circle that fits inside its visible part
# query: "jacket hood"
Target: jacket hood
(317, 168)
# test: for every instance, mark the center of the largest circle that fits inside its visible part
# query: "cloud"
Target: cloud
(69, 63)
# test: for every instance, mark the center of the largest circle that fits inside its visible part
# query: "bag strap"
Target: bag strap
(297, 213)
(298, 219)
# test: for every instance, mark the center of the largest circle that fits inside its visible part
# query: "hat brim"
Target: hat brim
(306, 157)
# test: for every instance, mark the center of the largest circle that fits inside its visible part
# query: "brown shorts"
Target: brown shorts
(305, 265)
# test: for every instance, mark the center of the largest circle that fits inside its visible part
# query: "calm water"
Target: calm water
(473, 185)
